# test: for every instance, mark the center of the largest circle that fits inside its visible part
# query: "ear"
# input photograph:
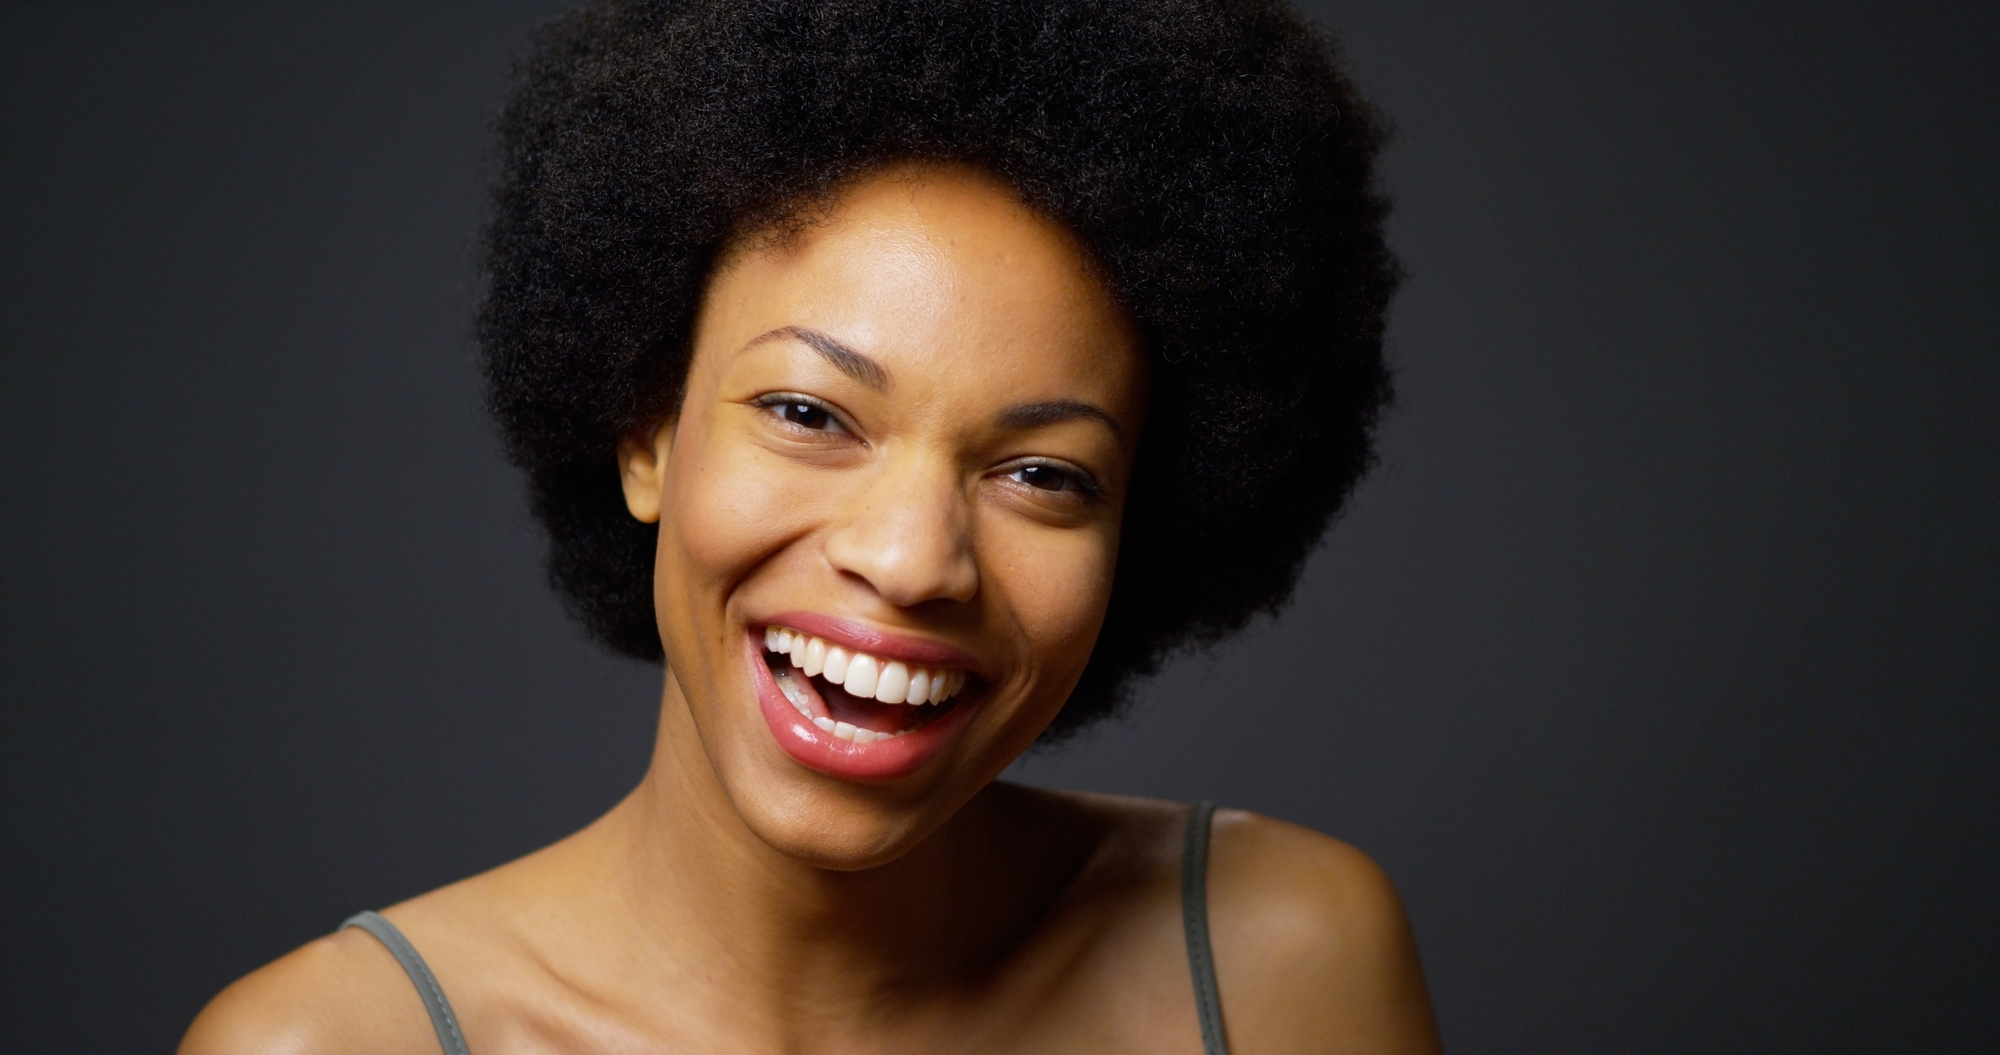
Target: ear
(642, 469)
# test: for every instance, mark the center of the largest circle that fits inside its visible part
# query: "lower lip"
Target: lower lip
(819, 750)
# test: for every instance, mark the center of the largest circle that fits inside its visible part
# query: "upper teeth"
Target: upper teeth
(862, 674)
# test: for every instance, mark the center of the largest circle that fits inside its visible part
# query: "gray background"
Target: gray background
(1658, 664)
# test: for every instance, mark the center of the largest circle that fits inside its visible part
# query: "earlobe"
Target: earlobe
(642, 471)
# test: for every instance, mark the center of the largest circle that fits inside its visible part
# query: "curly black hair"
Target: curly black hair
(1211, 155)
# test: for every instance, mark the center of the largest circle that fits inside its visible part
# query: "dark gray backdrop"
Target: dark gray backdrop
(1658, 664)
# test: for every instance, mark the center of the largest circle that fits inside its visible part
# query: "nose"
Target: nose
(908, 535)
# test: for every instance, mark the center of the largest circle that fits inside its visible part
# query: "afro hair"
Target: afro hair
(1211, 155)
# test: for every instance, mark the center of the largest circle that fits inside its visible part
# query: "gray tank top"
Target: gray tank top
(1194, 922)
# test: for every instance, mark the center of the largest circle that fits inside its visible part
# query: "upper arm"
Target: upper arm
(1313, 952)
(342, 993)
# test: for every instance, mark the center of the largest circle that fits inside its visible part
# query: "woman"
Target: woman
(910, 377)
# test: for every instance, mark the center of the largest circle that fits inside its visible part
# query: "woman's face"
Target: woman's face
(889, 509)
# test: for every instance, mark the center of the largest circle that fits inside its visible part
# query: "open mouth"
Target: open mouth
(856, 696)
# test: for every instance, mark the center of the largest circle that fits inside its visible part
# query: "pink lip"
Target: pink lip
(818, 750)
(860, 636)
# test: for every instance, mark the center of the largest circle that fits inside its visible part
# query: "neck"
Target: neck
(702, 899)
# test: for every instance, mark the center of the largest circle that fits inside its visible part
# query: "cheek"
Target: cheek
(725, 512)
(1057, 585)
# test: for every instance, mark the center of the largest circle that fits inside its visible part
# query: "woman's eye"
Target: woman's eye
(806, 415)
(1046, 478)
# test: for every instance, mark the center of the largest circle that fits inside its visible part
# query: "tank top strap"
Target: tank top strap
(1194, 918)
(420, 974)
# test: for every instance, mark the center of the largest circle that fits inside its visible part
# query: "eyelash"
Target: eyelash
(779, 402)
(1079, 481)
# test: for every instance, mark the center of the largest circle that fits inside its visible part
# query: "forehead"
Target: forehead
(937, 274)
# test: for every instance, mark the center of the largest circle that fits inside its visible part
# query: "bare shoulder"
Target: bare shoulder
(341, 993)
(1313, 951)
(346, 992)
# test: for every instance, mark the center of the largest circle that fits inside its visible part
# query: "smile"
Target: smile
(835, 688)
(856, 703)
(864, 676)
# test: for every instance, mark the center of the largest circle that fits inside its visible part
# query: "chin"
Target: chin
(837, 826)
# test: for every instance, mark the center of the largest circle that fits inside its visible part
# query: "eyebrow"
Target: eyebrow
(875, 376)
(847, 360)
(1032, 415)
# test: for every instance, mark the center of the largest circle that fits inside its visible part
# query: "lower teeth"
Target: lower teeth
(795, 693)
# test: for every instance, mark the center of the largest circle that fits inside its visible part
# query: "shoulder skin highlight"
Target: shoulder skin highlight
(341, 993)
(1313, 950)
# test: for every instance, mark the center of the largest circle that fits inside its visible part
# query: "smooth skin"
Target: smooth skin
(917, 479)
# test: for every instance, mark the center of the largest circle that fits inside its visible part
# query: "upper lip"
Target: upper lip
(857, 636)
